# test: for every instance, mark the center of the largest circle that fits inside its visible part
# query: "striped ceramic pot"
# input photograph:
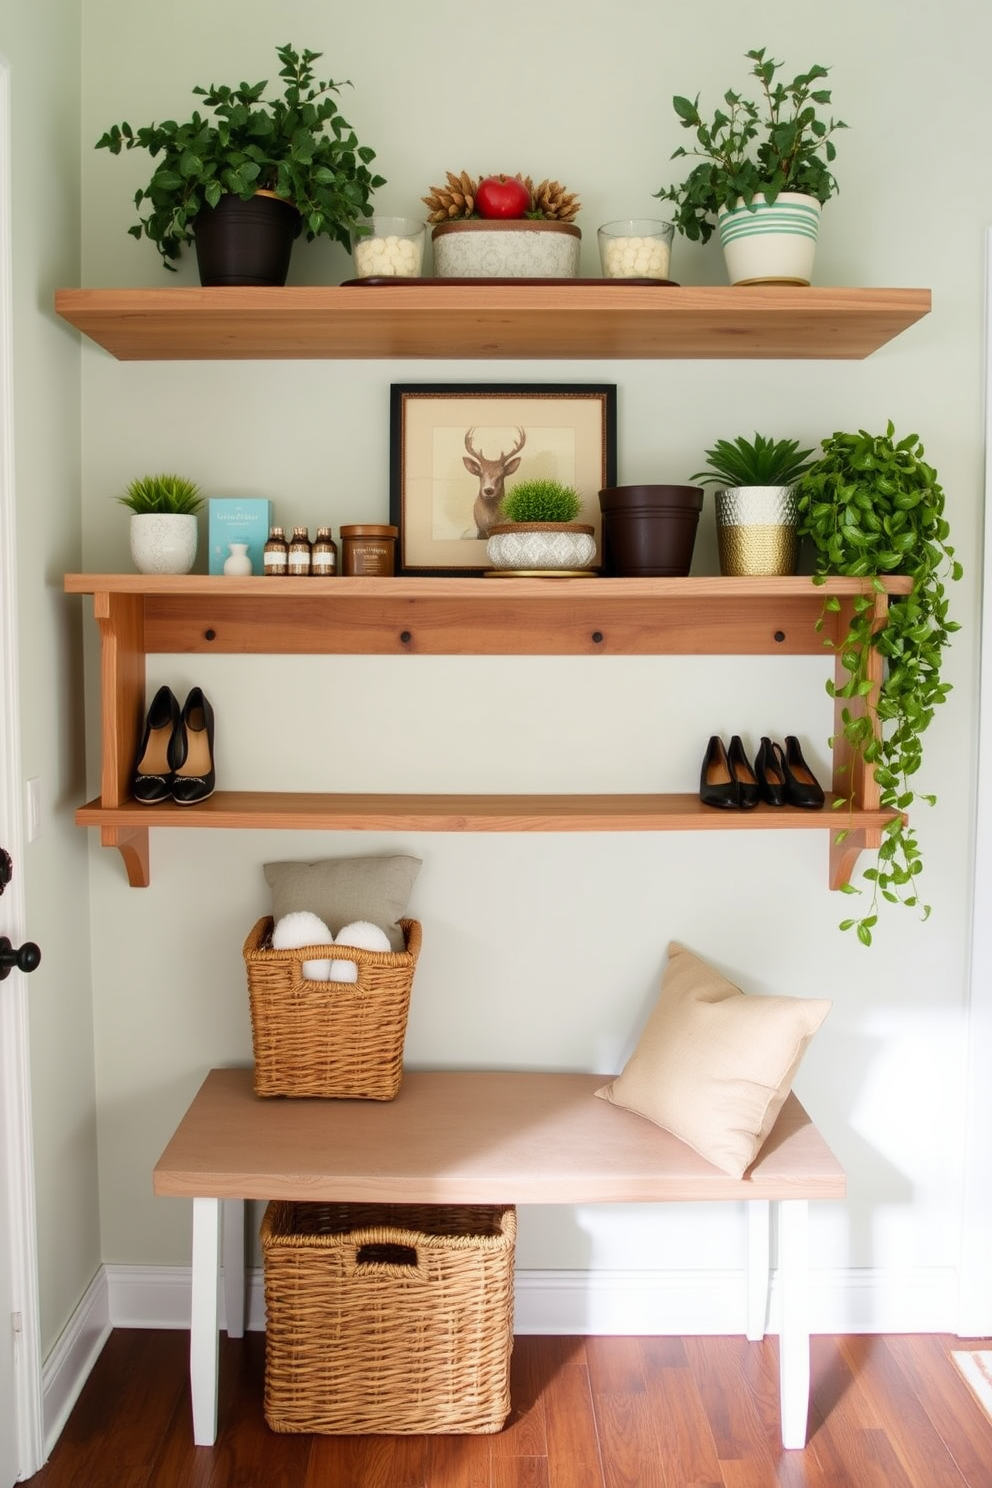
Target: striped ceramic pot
(771, 242)
(757, 531)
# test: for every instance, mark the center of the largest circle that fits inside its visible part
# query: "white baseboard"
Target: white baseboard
(662, 1303)
(68, 1365)
(615, 1302)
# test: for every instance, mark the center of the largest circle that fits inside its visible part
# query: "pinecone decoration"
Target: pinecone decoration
(448, 203)
(554, 203)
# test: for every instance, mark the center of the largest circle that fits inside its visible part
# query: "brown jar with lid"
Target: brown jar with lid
(368, 548)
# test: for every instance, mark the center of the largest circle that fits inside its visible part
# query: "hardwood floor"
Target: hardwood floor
(886, 1412)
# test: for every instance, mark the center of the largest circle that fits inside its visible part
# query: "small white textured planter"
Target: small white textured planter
(771, 242)
(540, 545)
(163, 542)
(516, 249)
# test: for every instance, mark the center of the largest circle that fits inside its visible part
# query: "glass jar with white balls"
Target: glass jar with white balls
(636, 248)
(389, 247)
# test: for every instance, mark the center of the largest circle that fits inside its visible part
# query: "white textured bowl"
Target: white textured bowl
(540, 545)
(517, 249)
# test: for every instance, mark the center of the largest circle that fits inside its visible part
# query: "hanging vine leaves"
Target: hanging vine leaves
(872, 506)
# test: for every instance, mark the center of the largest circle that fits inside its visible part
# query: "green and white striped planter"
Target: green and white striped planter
(771, 242)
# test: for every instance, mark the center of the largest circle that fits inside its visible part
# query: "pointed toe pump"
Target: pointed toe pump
(191, 752)
(717, 786)
(152, 778)
(769, 766)
(801, 784)
(740, 769)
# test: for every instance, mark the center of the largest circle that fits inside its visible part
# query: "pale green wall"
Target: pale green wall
(41, 44)
(547, 950)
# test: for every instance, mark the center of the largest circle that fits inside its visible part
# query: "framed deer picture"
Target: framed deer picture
(456, 448)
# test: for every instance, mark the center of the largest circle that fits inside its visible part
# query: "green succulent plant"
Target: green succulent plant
(751, 150)
(152, 494)
(870, 506)
(765, 462)
(541, 501)
(296, 146)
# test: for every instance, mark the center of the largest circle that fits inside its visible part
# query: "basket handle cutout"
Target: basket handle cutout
(386, 1253)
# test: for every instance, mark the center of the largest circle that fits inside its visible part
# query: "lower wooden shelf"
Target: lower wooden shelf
(126, 827)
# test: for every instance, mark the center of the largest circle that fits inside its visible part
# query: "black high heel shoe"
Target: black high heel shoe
(770, 767)
(717, 786)
(740, 769)
(191, 752)
(151, 781)
(802, 786)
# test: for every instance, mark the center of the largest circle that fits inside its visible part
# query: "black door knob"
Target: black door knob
(26, 958)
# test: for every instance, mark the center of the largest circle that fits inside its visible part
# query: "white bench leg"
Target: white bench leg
(234, 1267)
(203, 1340)
(793, 1267)
(758, 1267)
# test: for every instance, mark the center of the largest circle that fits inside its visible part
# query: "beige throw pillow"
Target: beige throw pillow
(343, 890)
(713, 1064)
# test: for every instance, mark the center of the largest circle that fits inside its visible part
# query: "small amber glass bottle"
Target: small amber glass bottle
(299, 553)
(275, 557)
(324, 556)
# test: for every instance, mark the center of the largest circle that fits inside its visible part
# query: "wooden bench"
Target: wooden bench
(478, 1137)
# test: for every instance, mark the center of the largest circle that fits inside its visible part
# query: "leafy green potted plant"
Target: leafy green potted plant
(292, 160)
(872, 506)
(756, 517)
(163, 522)
(503, 227)
(540, 532)
(764, 173)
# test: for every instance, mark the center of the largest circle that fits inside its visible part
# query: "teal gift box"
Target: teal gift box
(238, 519)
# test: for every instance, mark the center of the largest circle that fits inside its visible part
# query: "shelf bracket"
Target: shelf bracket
(132, 844)
(844, 855)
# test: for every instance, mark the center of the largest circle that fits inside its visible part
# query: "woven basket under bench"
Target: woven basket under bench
(341, 1039)
(388, 1318)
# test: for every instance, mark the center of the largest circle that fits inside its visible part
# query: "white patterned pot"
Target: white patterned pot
(541, 545)
(771, 242)
(517, 249)
(757, 530)
(163, 542)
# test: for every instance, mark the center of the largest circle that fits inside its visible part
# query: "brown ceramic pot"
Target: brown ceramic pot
(649, 531)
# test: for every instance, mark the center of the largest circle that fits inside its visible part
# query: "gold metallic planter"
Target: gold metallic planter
(756, 530)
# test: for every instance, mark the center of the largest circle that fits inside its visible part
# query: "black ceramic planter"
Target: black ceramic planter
(649, 531)
(246, 242)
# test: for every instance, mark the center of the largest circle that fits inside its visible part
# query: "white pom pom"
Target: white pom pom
(301, 928)
(364, 935)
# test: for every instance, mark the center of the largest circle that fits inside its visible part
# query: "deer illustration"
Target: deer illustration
(492, 474)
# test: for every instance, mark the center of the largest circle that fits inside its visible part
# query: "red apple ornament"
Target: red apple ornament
(502, 196)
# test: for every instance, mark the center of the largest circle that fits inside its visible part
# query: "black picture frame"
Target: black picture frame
(571, 430)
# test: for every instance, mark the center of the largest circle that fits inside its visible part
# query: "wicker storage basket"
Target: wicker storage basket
(329, 1038)
(388, 1318)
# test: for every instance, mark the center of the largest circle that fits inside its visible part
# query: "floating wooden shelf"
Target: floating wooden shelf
(429, 319)
(138, 614)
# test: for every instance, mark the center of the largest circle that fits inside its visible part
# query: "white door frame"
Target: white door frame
(15, 1084)
(975, 1271)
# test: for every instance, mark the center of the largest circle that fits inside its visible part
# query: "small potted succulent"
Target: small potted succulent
(163, 522)
(540, 532)
(291, 162)
(764, 172)
(503, 227)
(756, 517)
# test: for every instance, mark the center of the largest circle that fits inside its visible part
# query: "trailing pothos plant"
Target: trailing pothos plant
(872, 506)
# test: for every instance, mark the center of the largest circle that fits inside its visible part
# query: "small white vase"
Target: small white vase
(771, 242)
(238, 564)
(163, 542)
